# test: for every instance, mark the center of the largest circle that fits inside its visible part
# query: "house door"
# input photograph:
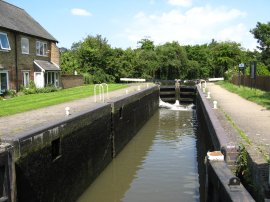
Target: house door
(39, 80)
(3, 82)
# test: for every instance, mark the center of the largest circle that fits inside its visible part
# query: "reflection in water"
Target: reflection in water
(159, 164)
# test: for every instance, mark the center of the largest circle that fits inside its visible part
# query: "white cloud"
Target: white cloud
(238, 33)
(184, 3)
(80, 12)
(195, 26)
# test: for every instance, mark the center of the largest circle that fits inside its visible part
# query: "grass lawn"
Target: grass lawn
(258, 96)
(34, 101)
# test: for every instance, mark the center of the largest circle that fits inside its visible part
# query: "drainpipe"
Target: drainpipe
(16, 63)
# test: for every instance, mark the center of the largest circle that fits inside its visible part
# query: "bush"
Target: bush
(8, 94)
(87, 78)
(228, 75)
(32, 89)
(99, 77)
(262, 70)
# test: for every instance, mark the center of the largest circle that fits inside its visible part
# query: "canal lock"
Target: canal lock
(170, 93)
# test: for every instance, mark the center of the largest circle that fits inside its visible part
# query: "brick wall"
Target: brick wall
(55, 54)
(24, 61)
(69, 81)
(7, 58)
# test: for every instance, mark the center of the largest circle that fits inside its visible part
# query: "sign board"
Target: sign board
(241, 66)
(253, 65)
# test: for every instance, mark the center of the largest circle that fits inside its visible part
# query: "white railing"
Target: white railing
(101, 92)
(132, 79)
(200, 84)
(216, 79)
(107, 90)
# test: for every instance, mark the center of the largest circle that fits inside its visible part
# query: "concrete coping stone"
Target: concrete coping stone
(215, 156)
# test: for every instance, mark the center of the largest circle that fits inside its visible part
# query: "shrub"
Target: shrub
(8, 94)
(32, 89)
(228, 75)
(87, 78)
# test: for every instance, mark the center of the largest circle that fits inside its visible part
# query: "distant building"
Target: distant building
(27, 51)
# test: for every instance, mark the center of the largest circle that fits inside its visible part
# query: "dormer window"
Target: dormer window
(4, 43)
(41, 48)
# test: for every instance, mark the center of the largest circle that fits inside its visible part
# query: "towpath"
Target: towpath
(252, 119)
(18, 123)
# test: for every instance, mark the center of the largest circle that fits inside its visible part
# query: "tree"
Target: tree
(172, 60)
(262, 33)
(146, 44)
(199, 57)
(226, 55)
(69, 62)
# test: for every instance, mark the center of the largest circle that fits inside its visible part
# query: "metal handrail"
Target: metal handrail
(107, 88)
(101, 92)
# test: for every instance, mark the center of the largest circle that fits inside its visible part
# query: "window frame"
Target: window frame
(28, 45)
(26, 78)
(44, 48)
(7, 81)
(51, 78)
(1, 45)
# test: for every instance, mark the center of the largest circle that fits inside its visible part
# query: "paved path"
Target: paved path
(251, 118)
(18, 123)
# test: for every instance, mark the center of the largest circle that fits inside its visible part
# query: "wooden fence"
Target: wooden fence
(261, 82)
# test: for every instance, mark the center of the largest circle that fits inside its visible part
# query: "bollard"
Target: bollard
(126, 91)
(203, 90)
(139, 88)
(208, 95)
(67, 109)
(215, 104)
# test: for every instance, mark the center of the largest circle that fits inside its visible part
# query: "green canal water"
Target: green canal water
(159, 164)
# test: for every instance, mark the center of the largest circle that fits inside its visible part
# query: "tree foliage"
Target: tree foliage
(262, 33)
(94, 58)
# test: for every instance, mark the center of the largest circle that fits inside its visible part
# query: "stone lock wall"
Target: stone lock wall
(219, 173)
(58, 162)
(7, 173)
(130, 114)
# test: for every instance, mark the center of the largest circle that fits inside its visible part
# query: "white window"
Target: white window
(4, 43)
(25, 45)
(41, 48)
(52, 78)
(26, 79)
(3, 81)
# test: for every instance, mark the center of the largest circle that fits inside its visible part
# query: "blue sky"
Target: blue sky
(124, 22)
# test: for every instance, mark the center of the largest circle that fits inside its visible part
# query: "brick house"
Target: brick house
(27, 51)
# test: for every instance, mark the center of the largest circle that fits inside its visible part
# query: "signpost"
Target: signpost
(241, 68)
(253, 68)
